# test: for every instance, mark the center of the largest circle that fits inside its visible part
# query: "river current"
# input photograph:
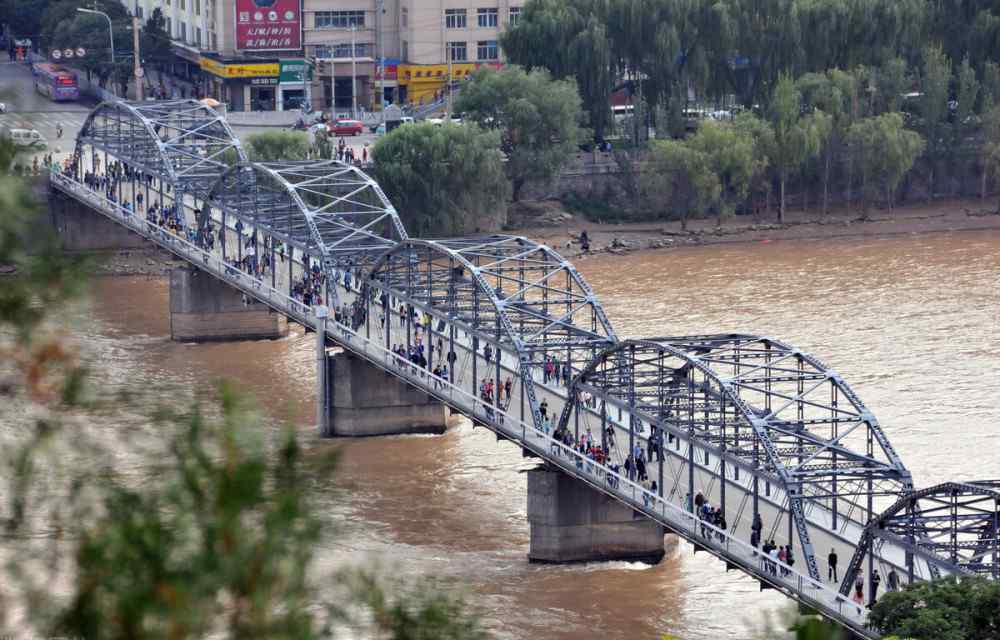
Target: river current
(911, 322)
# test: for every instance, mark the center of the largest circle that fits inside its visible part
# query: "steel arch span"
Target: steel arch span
(507, 291)
(952, 527)
(323, 207)
(760, 406)
(182, 141)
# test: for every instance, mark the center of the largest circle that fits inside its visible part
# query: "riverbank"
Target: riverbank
(560, 230)
(553, 226)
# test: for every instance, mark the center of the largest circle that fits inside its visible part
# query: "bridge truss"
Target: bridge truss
(763, 407)
(759, 407)
(953, 525)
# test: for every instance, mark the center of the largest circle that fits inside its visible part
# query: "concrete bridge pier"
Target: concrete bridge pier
(204, 309)
(82, 229)
(356, 399)
(571, 522)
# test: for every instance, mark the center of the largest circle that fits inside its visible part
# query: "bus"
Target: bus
(56, 82)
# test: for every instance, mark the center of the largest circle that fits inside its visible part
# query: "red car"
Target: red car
(347, 127)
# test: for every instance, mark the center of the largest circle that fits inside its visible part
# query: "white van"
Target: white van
(24, 137)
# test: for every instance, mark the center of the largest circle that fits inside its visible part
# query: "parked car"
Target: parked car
(347, 127)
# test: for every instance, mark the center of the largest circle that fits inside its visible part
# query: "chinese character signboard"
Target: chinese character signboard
(268, 25)
(255, 70)
(293, 71)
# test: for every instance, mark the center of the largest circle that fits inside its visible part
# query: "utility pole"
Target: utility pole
(140, 88)
(380, 8)
(354, 72)
(447, 53)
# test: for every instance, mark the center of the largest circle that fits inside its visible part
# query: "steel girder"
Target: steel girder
(182, 141)
(953, 526)
(323, 207)
(507, 290)
(762, 405)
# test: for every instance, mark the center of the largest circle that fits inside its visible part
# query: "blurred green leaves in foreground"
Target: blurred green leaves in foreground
(213, 536)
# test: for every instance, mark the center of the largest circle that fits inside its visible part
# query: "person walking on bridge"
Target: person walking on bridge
(831, 560)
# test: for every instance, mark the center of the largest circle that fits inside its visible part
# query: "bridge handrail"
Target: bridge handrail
(679, 520)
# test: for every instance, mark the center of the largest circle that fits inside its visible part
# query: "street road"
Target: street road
(27, 109)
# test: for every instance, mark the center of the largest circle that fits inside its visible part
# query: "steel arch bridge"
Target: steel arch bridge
(750, 423)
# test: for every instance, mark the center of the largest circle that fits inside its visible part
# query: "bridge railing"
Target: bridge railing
(681, 521)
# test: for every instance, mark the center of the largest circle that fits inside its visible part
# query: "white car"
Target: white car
(25, 137)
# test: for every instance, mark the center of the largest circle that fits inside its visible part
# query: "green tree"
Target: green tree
(277, 145)
(570, 39)
(833, 93)
(797, 138)
(934, 79)
(893, 81)
(539, 119)
(730, 152)
(762, 135)
(887, 151)
(944, 609)
(443, 179)
(155, 45)
(678, 179)
(990, 149)
(963, 119)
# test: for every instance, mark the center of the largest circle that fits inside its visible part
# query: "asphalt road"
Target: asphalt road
(27, 109)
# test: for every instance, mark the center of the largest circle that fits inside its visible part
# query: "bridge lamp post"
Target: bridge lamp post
(111, 33)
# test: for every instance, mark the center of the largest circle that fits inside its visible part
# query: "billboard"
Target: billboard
(268, 25)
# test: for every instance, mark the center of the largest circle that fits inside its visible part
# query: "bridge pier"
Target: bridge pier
(571, 522)
(359, 399)
(83, 229)
(204, 309)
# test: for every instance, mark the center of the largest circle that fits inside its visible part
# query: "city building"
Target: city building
(279, 54)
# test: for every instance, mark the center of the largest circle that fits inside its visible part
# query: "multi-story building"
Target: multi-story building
(237, 51)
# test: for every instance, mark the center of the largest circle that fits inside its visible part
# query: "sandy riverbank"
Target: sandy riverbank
(938, 216)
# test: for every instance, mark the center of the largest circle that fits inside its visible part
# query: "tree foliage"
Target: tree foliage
(155, 44)
(797, 137)
(944, 609)
(443, 180)
(887, 151)
(731, 156)
(277, 145)
(679, 180)
(539, 119)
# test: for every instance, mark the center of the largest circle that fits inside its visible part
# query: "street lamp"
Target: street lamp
(111, 33)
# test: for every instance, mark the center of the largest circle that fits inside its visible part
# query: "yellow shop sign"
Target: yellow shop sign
(251, 70)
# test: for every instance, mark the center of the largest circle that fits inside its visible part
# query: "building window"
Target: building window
(457, 52)
(514, 16)
(339, 19)
(454, 18)
(215, 42)
(406, 50)
(170, 27)
(486, 50)
(197, 7)
(138, 12)
(406, 17)
(182, 4)
(197, 36)
(182, 32)
(361, 50)
(487, 17)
